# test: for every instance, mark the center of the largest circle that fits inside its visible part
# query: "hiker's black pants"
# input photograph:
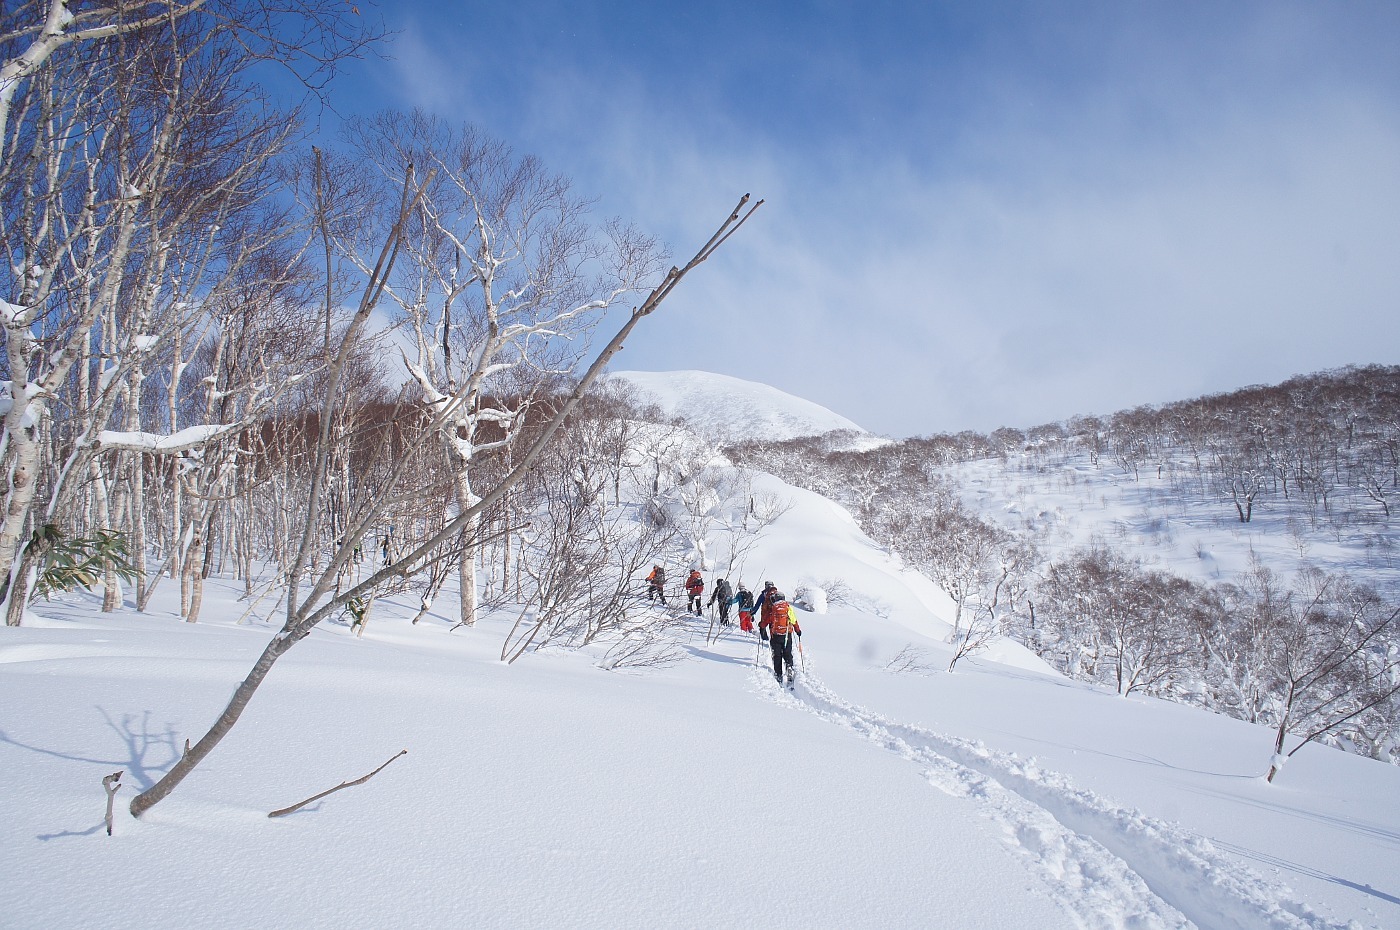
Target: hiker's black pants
(782, 652)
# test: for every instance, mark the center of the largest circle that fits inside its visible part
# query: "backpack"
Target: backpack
(695, 582)
(745, 599)
(781, 617)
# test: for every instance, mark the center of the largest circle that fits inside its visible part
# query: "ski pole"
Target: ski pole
(802, 652)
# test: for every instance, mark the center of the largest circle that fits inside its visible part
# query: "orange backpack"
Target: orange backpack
(781, 618)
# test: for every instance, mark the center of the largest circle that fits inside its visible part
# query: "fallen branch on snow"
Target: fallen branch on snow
(345, 784)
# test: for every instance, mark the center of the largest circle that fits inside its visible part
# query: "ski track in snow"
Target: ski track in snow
(1110, 867)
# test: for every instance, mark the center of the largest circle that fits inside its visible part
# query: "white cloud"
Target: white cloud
(1075, 243)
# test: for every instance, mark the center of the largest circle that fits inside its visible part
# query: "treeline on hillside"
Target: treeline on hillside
(1313, 441)
(1317, 657)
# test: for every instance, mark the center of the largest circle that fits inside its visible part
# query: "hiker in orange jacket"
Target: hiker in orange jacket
(656, 584)
(780, 623)
(761, 608)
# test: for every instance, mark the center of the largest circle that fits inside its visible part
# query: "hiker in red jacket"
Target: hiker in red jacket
(695, 588)
(744, 601)
(780, 622)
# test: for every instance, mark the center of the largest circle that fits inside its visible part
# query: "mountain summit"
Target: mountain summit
(730, 409)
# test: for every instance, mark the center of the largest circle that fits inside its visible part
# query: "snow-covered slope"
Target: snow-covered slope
(727, 409)
(882, 792)
(1068, 502)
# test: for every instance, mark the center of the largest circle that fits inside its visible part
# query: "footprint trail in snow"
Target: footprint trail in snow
(1109, 867)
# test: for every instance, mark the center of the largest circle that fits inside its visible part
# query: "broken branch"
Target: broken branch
(345, 784)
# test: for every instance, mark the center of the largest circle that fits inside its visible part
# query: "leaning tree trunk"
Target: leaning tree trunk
(239, 702)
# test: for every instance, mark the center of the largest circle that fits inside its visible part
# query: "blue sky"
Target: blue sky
(978, 214)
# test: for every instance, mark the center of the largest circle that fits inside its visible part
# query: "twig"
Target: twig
(345, 784)
(111, 783)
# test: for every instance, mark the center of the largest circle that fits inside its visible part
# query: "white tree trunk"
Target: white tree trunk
(466, 564)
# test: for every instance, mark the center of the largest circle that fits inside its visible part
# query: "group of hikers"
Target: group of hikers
(777, 620)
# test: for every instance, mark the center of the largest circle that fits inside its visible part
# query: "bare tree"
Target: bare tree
(309, 37)
(581, 557)
(977, 634)
(1114, 612)
(909, 659)
(1338, 656)
(307, 609)
(502, 274)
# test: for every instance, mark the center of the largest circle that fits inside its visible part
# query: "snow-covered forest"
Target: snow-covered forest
(1233, 551)
(311, 455)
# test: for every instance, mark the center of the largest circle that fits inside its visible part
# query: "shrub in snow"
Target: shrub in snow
(909, 659)
(837, 591)
(810, 597)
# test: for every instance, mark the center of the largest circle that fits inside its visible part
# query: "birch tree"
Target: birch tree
(310, 36)
(503, 273)
(133, 183)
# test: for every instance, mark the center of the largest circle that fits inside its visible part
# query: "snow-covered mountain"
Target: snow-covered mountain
(728, 409)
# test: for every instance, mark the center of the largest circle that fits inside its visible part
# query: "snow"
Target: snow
(10, 313)
(552, 792)
(31, 416)
(1065, 501)
(186, 438)
(731, 409)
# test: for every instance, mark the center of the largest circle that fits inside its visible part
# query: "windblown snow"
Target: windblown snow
(730, 409)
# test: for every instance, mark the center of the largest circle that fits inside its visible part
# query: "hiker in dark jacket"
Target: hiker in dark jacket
(656, 584)
(723, 594)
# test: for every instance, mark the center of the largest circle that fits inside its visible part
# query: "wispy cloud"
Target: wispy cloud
(422, 73)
